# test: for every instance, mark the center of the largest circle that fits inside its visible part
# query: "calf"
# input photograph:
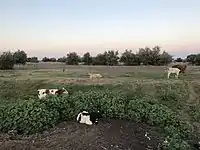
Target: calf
(95, 75)
(88, 118)
(44, 92)
(174, 71)
(182, 68)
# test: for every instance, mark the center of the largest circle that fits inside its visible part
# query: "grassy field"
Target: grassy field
(24, 81)
(180, 95)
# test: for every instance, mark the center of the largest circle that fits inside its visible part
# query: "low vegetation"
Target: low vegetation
(138, 94)
(159, 107)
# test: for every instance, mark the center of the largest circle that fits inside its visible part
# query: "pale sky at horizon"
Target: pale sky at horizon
(55, 27)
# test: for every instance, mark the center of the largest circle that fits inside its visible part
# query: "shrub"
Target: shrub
(61, 104)
(175, 143)
(194, 112)
(6, 61)
(157, 114)
(37, 115)
(27, 117)
(110, 103)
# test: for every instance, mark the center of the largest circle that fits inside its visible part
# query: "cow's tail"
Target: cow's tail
(78, 116)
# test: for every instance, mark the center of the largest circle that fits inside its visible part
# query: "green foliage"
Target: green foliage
(191, 58)
(111, 57)
(175, 143)
(45, 59)
(62, 59)
(20, 57)
(197, 59)
(6, 61)
(153, 57)
(110, 103)
(194, 111)
(32, 59)
(32, 116)
(87, 59)
(27, 117)
(72, 59)
(179, 60)
(61, 104)
(171, 97)
(156, 114)
(129, 58)
(107, 58)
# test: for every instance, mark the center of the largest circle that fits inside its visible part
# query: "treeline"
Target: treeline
(145, 56)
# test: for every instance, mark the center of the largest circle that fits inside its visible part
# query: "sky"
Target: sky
(54, 28)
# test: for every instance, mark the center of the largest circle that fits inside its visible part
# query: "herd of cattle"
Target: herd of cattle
(92, 117)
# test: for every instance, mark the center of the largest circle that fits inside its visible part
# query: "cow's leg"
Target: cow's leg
(88, 122)
(177, 75)
(82, 119)
(168, 75)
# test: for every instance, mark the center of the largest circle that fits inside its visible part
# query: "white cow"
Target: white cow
(44, 92)
(89, 118)
(174, 71)
(95, 75)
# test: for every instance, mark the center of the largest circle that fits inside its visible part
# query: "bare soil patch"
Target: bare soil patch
(108, 134)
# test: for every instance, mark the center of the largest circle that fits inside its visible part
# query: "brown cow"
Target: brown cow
(181, 67)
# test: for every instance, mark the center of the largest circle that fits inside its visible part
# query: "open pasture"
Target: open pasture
(148, 83)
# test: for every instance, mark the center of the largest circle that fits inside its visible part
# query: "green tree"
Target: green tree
(52, 59)
(72, 58)
(197, 59)
(191, 58)
(148, 56)
(129, 58)
(152, 56)
(179, 60)
(6, 61)
(165, 58)
(20, 57)
(100, 59)
(87, 59)
(111, 57)
(46, 59)
(32, 59)
(62, 59)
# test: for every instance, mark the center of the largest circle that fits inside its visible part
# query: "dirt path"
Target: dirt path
(107, 135)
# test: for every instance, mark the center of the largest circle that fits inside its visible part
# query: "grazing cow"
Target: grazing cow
(88, 118)
(44, 92)
(174, 71)
(95, 75)
(182, 68)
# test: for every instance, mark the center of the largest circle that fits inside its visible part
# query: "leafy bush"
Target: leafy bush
(156, 114)
(61, 104)
(174, 143)
(194, 112)
(6, 61)
(110, 103)
(172, 96)
(37, 115)
(27, 117)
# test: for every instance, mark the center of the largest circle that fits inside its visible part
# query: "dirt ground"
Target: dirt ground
(107, 135)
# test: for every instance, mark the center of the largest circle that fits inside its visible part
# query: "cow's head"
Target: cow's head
(42, 93)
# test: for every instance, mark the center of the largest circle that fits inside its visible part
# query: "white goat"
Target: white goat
(94, 75)
(174, 71)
